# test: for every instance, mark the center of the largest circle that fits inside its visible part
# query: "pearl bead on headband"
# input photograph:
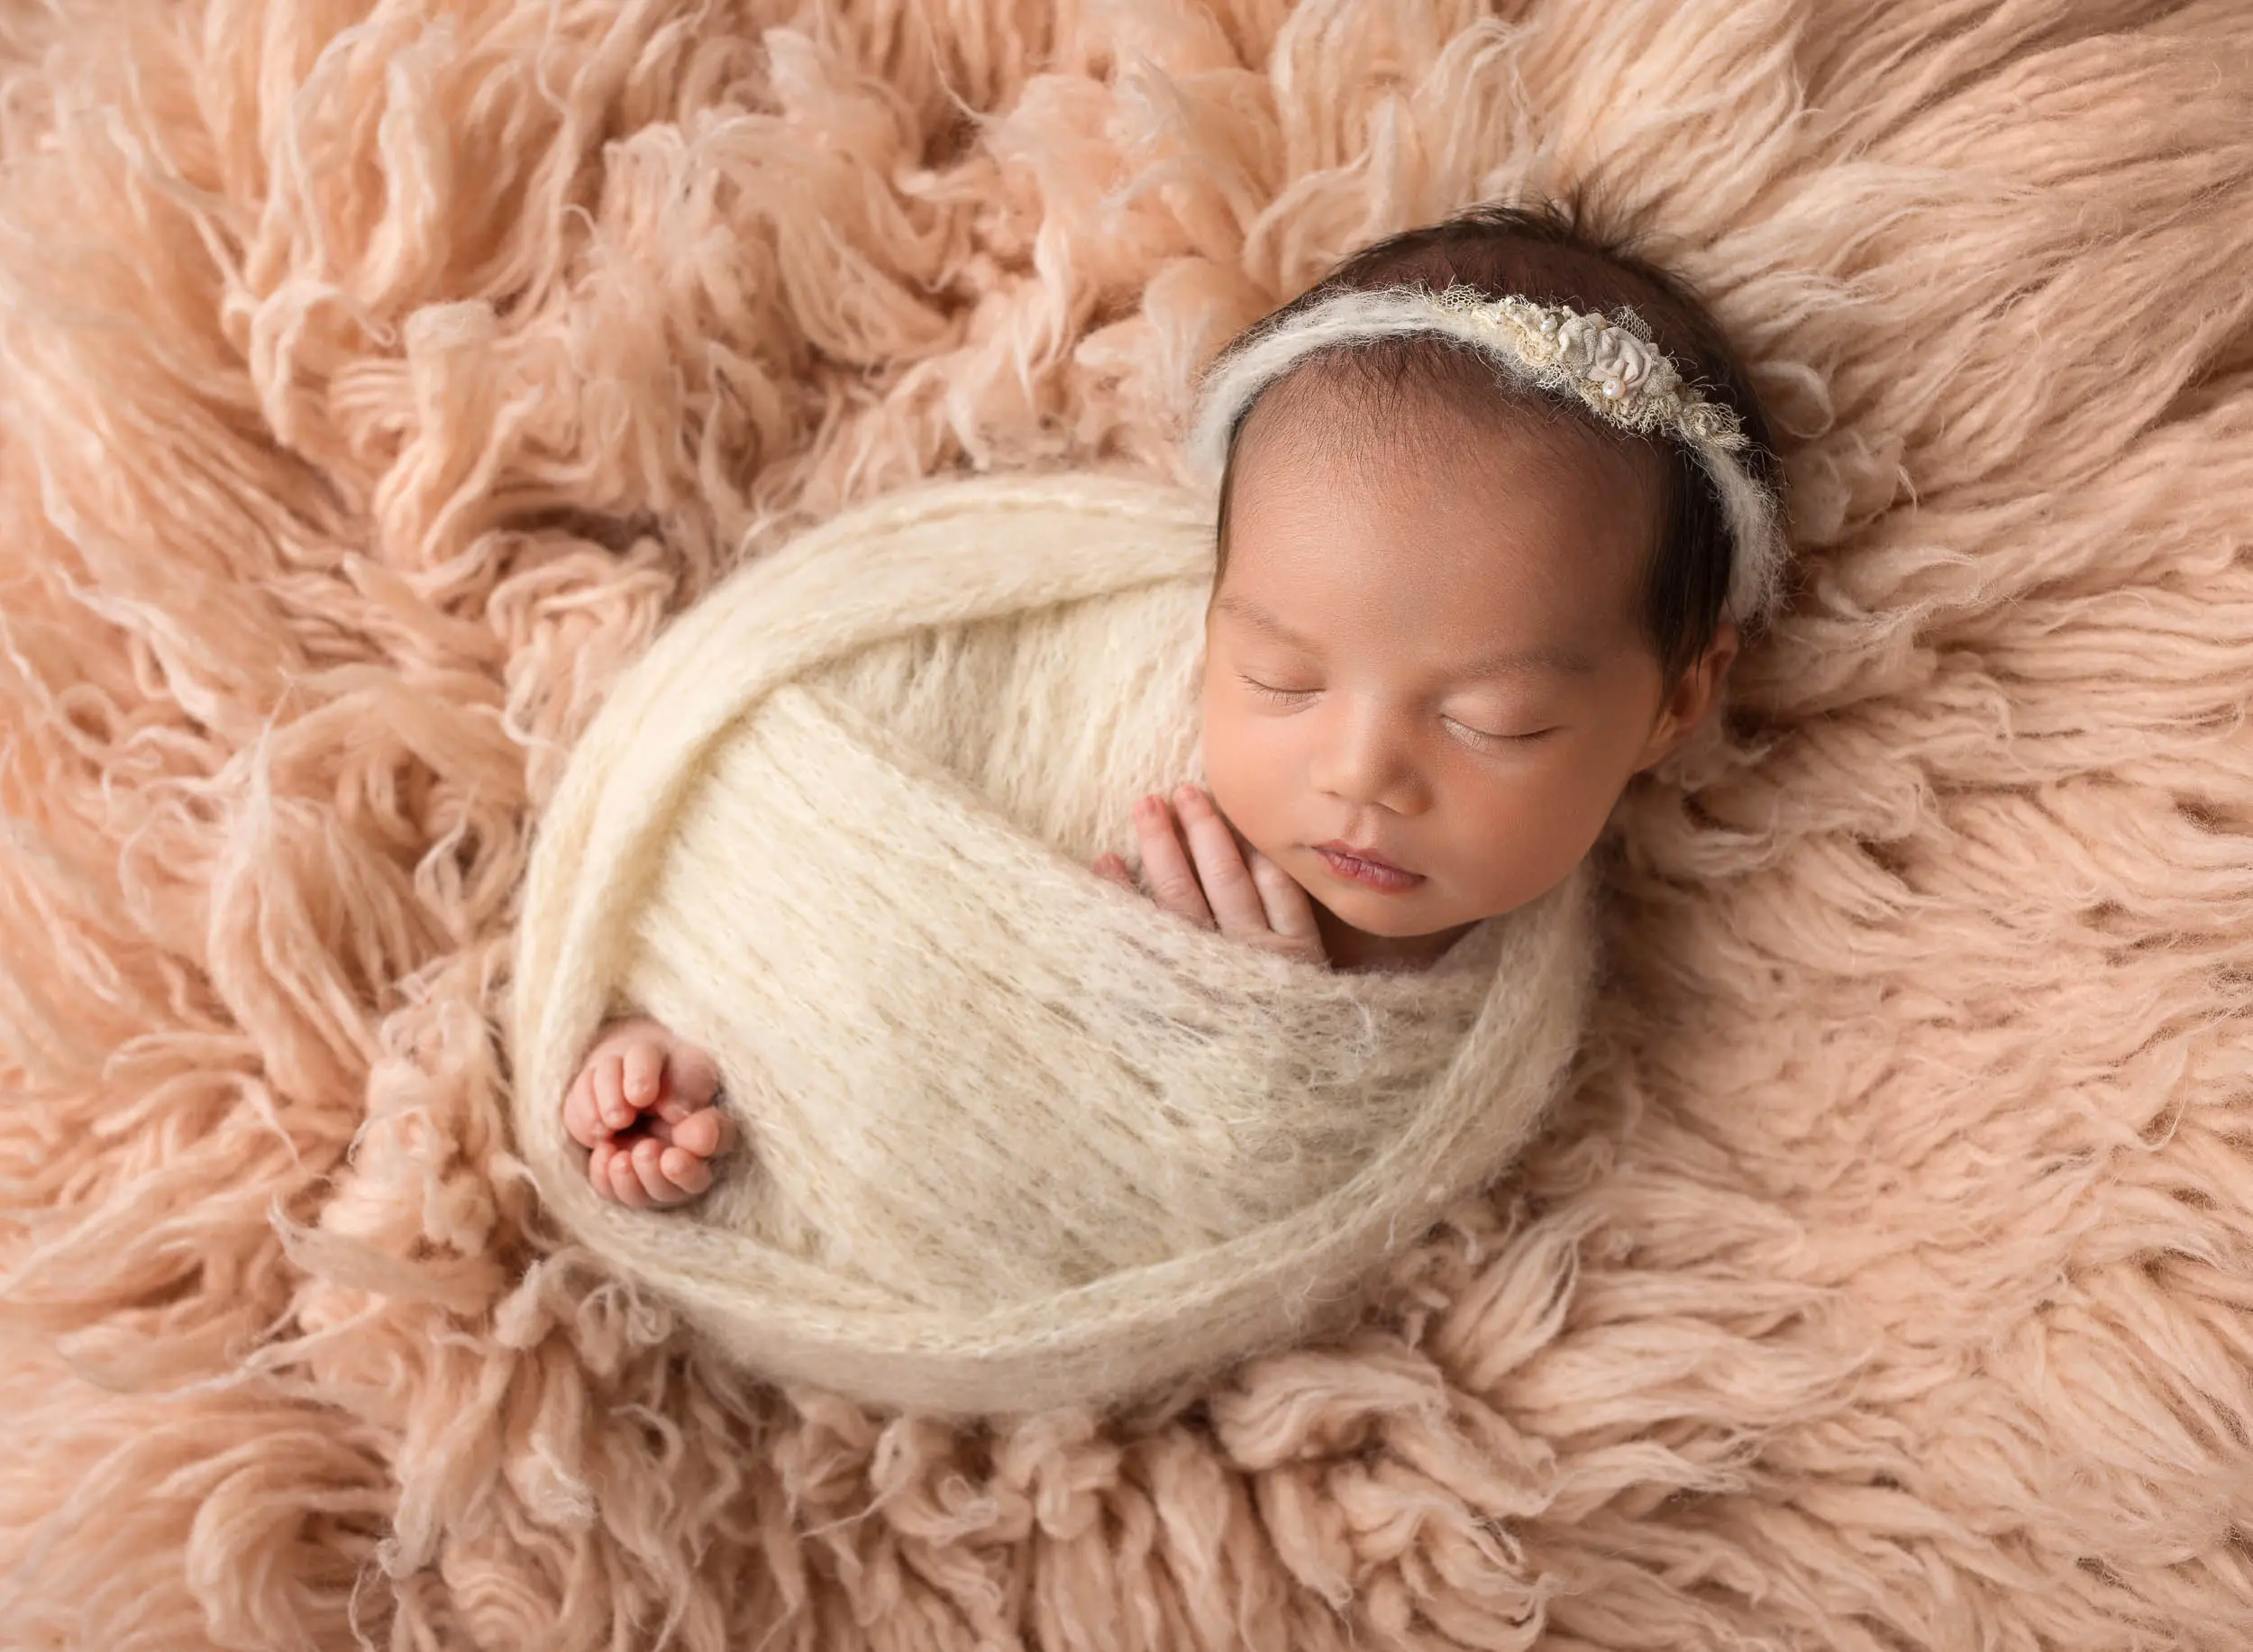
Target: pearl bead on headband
(1610, 364)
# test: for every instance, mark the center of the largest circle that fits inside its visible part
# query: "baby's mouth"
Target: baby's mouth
(1366, 869)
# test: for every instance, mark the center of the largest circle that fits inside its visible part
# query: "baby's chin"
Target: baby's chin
(1392, 923)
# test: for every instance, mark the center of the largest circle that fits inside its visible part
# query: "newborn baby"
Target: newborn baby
(1452, 616)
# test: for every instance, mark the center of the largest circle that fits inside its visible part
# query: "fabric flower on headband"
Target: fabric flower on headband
(1612, 363)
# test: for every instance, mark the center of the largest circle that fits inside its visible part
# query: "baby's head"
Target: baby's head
(1454, 613)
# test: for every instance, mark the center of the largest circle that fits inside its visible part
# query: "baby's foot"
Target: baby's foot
(641, 1107)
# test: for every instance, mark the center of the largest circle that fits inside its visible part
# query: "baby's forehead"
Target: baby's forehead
(1412, 621)
(1353, 493)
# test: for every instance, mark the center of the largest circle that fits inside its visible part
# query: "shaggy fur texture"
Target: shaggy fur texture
(378, 377)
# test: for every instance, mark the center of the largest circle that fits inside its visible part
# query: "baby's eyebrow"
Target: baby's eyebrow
(1519, 661)
(1500, 662)
(1260, 619)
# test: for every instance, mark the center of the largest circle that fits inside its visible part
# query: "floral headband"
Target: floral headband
(1610, 364)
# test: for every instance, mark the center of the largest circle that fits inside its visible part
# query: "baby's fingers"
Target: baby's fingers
(1290, 909)
(708, 1132)
(657, 1187)
(1236, 900)
(579, 1116)
(1165, 865)
(642, 1070)
(688, 1174)
(611, 1106)
(610, 1169)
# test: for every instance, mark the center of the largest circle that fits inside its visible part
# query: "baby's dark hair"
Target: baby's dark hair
(1543, 253)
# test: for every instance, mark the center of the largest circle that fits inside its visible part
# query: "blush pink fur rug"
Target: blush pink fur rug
(378, 378)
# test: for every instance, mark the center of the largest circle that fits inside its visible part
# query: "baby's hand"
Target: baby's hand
(1231, 887)
(641, 1107)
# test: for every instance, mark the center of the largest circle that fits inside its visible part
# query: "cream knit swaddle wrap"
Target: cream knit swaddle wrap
(1013, 1136)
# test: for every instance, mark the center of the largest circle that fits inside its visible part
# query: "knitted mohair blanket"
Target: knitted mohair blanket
(1017, 1138)
(377, 378)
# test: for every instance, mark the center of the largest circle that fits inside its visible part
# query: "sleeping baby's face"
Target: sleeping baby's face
(1425, 645)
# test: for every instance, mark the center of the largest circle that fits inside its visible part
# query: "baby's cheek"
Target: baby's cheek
(1247, 785)
(1505, 855)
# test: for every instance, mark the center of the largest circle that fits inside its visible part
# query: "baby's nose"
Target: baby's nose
(1366, 767)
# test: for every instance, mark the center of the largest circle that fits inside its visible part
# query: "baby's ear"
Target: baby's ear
(1702, 685)
(1728, 642)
